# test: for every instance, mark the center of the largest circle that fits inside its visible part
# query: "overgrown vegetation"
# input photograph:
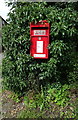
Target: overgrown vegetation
(54, 98)
(55, 93)
(23, 73)
(20, 70)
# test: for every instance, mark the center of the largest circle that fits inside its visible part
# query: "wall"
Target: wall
(2, 23)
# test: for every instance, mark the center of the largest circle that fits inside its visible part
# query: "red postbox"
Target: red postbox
(39, 37)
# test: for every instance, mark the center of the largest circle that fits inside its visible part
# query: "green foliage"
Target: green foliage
(73, 74)
(53, 96)
(35, 100)
(22, 72)
(14, 97)
(30, 113)
(59, 95)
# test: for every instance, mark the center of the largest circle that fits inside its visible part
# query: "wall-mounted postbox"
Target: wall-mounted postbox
(39, 36)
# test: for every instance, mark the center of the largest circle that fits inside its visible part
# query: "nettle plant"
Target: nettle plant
(20, 70)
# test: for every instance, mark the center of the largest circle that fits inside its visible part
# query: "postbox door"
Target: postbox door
(39, 47)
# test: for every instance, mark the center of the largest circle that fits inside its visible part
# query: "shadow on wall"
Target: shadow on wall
(2, 23)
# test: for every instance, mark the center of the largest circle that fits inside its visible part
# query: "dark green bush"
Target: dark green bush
(20, 70)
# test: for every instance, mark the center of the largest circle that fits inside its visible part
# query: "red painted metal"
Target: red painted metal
(39, 38)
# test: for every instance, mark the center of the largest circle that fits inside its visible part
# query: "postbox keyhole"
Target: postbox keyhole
(39, 38)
